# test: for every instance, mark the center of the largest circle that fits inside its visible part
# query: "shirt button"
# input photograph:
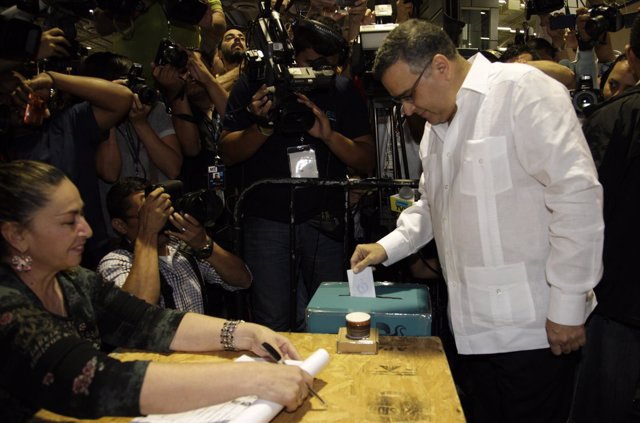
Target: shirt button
(480, 161)
(498, 291)
(446, 186)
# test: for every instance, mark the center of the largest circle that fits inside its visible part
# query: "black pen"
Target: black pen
(275, 355)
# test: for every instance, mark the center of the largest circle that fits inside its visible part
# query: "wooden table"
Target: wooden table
(407, 381)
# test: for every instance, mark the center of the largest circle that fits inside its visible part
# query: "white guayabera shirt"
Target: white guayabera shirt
(511, 195)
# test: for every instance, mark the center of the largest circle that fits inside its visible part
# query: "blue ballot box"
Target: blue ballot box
(398, 309)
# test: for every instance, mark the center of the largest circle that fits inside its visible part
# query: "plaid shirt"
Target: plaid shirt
(176, 270)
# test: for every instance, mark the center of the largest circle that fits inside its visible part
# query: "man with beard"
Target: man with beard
(230, 56)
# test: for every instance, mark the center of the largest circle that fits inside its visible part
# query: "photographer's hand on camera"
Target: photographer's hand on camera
(53, 44)
(139, 112)
(153, 215)
(199, 71)
(357, 153)
(259, 108)
(260, 102)
(584, 40)
(171, 83)
(321, 127)
(189, 230)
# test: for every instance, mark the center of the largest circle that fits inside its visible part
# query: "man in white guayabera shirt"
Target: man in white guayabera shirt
(510, 193)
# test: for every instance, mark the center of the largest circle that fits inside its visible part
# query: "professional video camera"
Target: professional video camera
(585, 95)
(602, 19)
(271, 60)
(138, 84)
(19, 39)
(204, 205)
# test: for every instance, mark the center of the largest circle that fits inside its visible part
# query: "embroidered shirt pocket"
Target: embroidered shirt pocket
(499, 295)
(485, 167)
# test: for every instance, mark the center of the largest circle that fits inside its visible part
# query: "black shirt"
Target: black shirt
(348, 115)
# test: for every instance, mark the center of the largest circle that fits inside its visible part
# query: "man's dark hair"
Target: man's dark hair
(515, 50)
(540, 45)
(118, 196)
(634, 37)
(322, 35)
(106, 65)
(415, 42)
(235, 56)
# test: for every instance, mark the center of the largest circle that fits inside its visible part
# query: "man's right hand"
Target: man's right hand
(53, 44)
(169, 80)
(260, 102)
(154, 212)
(367, 255)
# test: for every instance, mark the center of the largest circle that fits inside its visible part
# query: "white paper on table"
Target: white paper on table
(248, 409)
(361, 284)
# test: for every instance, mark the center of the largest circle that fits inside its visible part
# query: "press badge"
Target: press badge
(302, 162)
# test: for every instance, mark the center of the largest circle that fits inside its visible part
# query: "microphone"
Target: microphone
(403, 199)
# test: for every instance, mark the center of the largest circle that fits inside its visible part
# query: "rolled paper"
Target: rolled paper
(262, 411)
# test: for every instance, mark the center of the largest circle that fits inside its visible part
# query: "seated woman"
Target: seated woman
(54, 317)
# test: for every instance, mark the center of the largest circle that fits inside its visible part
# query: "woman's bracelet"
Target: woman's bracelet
(226, 334)
(53, 81)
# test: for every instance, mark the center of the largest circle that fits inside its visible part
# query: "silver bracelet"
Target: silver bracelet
(226, 334)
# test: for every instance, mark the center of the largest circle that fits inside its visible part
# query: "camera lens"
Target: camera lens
(175, 56)
(584, 99)
(146, 94)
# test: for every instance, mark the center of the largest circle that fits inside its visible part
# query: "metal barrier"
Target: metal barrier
(294, 183)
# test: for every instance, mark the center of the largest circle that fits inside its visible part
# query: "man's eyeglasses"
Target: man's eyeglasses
(408, 98)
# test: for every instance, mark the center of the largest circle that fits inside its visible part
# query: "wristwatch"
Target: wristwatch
(204, 252)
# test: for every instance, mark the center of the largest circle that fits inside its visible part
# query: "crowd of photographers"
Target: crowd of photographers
(157, 113)
(164, 136)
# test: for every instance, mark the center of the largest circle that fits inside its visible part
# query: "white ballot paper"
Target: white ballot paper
(249, 409)
(361, 284)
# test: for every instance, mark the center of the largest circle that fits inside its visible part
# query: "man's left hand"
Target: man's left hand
(321, 127)
(565, 339)
(189, 230)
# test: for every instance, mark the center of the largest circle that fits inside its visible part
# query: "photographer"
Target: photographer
(144, 23)
(254, 150)
(144, 144)
(230, 56)
(196, 100)
(609, 371)
(69, 137)
(166, 267)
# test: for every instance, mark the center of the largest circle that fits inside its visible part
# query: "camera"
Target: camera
(19, 39)
(67, 64)
(203, 205)
(602, 19)
(585, 95)
(138, 85)
(169, 53)
(271, 60)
